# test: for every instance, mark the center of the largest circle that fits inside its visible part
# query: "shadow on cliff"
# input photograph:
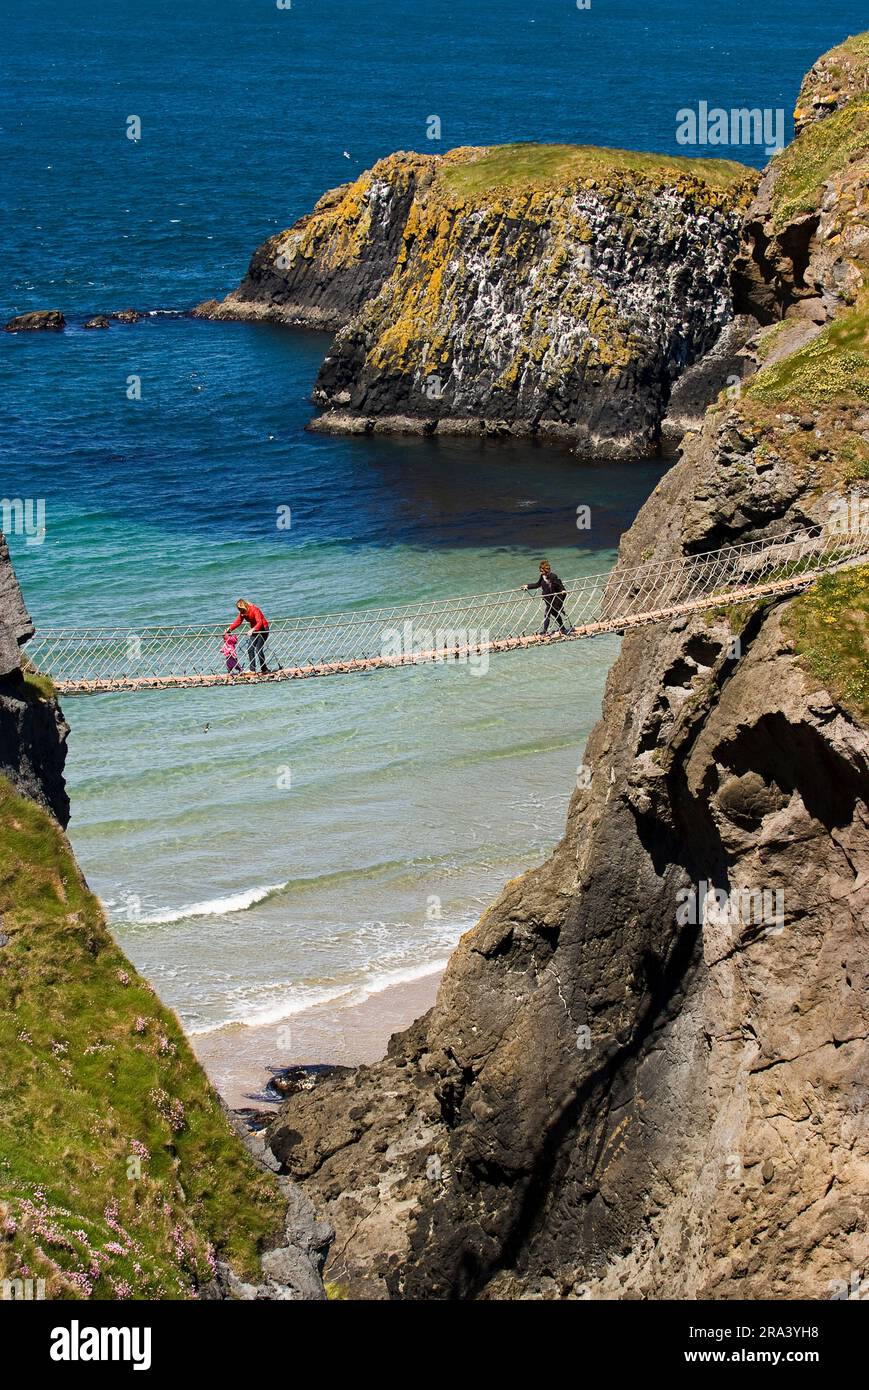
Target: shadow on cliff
(470, 1274)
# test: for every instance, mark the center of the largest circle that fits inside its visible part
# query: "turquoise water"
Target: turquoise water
(267, 848)
(262, 849)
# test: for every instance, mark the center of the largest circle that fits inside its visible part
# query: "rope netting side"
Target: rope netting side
(404, 633)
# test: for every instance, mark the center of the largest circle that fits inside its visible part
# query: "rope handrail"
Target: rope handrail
(601, 577)
(86, 659)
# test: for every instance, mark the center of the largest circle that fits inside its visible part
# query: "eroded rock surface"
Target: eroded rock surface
(33, 731)
(805, 246)
(705, 1136)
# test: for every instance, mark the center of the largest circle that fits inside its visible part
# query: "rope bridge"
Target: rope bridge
(90, 660)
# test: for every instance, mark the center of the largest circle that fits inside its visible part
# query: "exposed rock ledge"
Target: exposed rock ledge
(33, 731)
(40, 320)
(548, 290)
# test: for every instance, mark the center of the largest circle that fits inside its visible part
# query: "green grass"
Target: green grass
(822, 150)
(120, 1176)
(829, 626)
(37, 685)
(856, 467)
(770, 336)
(840, 62)
(833, 366)
(538, 166)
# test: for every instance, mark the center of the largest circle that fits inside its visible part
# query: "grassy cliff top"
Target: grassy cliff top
(832, 366)
(829, 626)
(837, 75)
(841, 58)
(120, 1175)
(474, 171)
(822, 150)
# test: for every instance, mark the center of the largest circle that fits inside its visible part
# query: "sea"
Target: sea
(266, 850)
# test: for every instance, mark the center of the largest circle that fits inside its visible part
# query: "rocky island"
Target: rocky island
(555, 291)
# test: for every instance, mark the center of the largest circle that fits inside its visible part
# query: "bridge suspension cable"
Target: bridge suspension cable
(91, 660)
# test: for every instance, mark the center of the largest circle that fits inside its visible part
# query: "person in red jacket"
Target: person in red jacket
(259, 632)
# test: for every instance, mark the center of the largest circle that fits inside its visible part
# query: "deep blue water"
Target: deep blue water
(247, 110)
(428, 783)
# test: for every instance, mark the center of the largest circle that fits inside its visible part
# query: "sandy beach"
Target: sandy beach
(239, 1060)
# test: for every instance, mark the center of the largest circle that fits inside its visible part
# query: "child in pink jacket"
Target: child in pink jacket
(228, 650)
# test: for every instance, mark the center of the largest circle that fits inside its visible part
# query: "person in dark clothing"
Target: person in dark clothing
(259, 632)
(554, 594)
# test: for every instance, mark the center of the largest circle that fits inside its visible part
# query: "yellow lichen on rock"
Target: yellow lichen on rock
(543, 234)
(539, 285)
(835, 79)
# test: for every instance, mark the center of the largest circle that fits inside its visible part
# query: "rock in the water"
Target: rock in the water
(286, 1081)
(516, 290)
(38, 320)
(126, 315)
(98, 321)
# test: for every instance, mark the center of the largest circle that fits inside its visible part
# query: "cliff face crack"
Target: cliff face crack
(537, 1186)
(807, 1052)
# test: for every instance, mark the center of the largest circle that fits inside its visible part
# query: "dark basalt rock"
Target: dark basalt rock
(37, 321)
(565, 311)
(301, 277)
(33, 731)
(288, 1081)
(98, 321)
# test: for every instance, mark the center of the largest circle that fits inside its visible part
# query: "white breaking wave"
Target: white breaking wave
(213, 907)
(300, 1002)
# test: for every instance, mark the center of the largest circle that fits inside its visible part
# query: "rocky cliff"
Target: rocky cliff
(120, 1173)
(646, 1072)
(806, 242)
(32, 729)
(549, 290)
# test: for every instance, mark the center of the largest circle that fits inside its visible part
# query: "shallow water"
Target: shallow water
(264, 848)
